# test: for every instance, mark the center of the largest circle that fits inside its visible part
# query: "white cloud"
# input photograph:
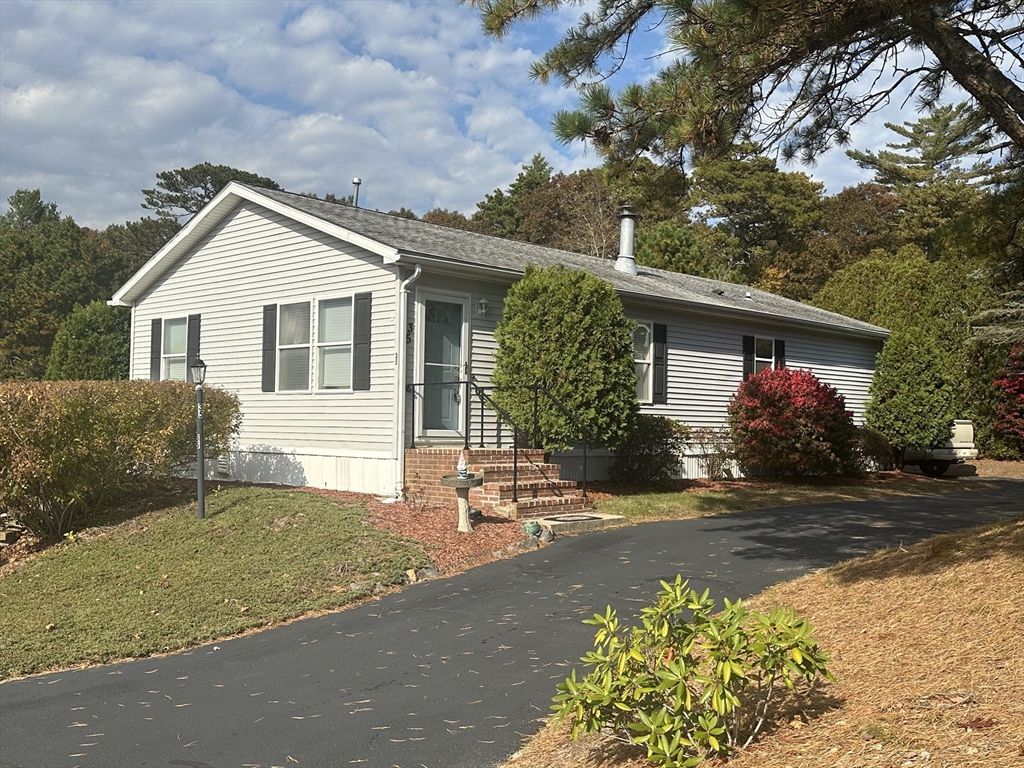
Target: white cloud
(97, 97)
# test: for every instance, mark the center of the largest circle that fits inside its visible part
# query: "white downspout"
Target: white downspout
(400, 379)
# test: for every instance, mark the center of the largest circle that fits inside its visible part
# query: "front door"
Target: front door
(444, 357)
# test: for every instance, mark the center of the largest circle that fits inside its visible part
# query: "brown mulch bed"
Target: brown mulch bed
(435, 527)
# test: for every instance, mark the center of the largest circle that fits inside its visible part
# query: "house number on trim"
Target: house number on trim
(408, 333)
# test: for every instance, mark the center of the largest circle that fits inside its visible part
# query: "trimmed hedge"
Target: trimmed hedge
(67, 448)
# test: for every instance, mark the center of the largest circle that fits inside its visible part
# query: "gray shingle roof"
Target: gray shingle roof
(412, 237)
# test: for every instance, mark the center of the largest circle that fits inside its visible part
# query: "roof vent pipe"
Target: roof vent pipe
(627, 227)
(355, 191)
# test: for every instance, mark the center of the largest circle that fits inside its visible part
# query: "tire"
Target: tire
(934, 468)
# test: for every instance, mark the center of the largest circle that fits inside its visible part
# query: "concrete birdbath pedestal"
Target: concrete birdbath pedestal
(462, 486)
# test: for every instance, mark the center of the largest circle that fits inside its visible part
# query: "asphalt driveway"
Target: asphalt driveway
(450, 673)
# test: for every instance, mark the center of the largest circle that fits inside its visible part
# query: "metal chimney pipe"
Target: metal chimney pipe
(355, 194)
(627, 227)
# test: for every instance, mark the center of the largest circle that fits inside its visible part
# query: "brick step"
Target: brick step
(543, 489)
(503, 455)
(528, 472)
(525, 509)
(501, 493)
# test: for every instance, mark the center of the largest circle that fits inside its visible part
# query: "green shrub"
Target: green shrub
(874, 450)
(67, 448)
(692, 688)
(91, 345)
(567, 329)
(787, 422)
(651, 451)
(912, 395)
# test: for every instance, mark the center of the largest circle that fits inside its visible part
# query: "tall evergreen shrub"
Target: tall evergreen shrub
(566, 329)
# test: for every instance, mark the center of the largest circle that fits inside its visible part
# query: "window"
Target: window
(764, 354)
(334, 344)
(293, 348)
(642, 354)
(650, 357)
(340, 341)
(174, 365)
(760, 353)
(173, 347)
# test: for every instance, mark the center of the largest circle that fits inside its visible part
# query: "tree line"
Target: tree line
(931, 248)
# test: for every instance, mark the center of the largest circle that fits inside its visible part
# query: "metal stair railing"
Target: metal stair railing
(469, 388)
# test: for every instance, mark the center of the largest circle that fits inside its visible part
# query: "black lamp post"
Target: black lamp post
(199, 376)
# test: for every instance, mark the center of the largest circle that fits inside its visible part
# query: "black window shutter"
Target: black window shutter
(780, 353)
(191, 345)
(748, 357)
(361, 341)
(660, 394)
(155, 348)
(269, 347)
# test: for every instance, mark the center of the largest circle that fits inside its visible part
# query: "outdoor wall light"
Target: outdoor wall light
(481, 308)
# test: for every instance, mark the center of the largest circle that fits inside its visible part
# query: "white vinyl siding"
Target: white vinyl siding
(705, 363)
(255, 257)
(174, 349)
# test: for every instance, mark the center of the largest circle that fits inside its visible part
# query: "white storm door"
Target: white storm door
(445, 331)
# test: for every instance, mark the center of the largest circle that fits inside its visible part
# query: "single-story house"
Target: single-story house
(334, 326)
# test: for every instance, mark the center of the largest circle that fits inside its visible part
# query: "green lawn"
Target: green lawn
(165, 580)
(737, 495)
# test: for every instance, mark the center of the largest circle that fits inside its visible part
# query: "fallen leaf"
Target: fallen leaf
(978, 723)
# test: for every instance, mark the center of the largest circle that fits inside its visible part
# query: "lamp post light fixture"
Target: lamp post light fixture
(199, 377)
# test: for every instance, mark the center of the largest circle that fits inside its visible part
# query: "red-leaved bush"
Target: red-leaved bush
(787, 422)
(1010, 405)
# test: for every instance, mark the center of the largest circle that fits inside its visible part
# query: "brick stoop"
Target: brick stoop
(540, 490)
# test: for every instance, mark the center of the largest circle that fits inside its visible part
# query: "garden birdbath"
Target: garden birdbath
(462, 486)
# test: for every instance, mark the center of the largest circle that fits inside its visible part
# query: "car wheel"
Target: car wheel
(934, 468)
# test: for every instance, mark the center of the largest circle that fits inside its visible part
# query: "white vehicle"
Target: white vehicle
(936, 460)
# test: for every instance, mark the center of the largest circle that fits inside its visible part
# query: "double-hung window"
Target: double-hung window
(643, 350)
(334, 344)
(175, 364)
(650, 359)
(330, 354)
(760, 353)
(293, 346)
(764, 354)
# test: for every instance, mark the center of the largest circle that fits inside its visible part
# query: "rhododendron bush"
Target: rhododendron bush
(787, 422)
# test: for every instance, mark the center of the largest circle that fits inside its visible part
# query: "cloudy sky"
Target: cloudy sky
(97, 97)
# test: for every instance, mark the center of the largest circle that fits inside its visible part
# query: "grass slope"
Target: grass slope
(166, 580)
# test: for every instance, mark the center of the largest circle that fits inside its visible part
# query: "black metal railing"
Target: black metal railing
(467, 389)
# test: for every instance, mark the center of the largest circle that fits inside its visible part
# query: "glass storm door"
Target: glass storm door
(442, 363)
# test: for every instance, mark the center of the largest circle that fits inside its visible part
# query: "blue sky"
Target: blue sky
(97, 97)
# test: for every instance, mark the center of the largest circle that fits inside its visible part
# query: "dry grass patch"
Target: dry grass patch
(927, 648)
